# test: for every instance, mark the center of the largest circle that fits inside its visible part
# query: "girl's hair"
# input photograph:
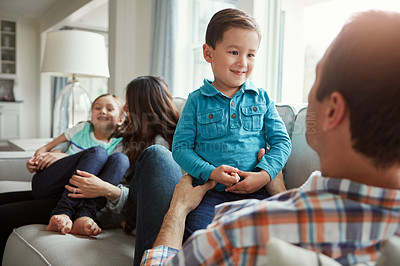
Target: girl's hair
(152, 112)
(118, 130)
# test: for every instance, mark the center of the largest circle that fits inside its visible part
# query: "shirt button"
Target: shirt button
(233, 116)
(210, 116)
(232, 104)
(254, 108)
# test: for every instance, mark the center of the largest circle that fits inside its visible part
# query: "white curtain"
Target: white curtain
(266, 73)
(163, 51)
(58, 84)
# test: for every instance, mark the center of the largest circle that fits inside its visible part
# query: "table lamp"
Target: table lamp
(73, 53)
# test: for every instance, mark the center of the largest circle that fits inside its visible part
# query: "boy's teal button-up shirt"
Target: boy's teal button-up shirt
(215, 129)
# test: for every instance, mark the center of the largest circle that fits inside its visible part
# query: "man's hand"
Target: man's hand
(46, 159)
(226, 175)
(277, 185)
(186, 197)
(90, 186)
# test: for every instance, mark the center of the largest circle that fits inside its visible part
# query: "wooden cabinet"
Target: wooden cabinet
(8, 41)
(10, 120)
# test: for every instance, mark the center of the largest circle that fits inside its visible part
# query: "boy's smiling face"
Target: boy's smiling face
(233, 58)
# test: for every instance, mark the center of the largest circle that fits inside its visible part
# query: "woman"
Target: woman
(152, 118)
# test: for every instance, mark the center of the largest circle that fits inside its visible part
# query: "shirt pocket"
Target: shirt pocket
(211, 124)
(253, 117)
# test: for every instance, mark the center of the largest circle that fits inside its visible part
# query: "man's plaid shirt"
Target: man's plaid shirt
(343, 219)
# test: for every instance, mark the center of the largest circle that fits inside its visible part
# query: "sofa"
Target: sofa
(32, 245)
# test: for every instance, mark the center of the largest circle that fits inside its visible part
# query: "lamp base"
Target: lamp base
(72, 105)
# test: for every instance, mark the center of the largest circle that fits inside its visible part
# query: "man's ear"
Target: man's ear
(207, 52)
(335, 111)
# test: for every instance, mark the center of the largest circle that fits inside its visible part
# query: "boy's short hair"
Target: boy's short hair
(228, 18)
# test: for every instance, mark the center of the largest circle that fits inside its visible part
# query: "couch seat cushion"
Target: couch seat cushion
(32, 245)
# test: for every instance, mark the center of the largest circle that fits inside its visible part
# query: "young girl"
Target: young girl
(93, 150)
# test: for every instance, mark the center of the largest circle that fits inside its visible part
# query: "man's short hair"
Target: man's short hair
(363, 64)
(226, 19)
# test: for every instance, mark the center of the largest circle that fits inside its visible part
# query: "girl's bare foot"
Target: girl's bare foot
(276, 185)
(59, 223)
(85, 226)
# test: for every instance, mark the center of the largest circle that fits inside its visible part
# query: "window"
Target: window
(309, 26)
(193, 68)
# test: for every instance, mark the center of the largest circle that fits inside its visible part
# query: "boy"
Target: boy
(227, 121)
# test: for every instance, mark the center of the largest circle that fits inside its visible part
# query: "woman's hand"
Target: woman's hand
(88, 185)
(46, 159)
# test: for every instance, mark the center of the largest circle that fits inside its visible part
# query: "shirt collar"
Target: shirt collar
(209, 90)
(377, 196)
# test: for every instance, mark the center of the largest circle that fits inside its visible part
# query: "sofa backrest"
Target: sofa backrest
(303, 160)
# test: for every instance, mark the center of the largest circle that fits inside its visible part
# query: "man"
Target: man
(349, 208)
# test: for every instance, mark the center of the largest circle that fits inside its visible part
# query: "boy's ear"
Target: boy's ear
(207, 52)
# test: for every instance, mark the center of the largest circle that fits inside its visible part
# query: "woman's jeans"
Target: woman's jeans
(150, 193)
(50, 182)
(202, 216)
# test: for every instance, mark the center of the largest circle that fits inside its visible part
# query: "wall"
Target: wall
(26, 85)
(129, 46)
(28, 65)
(129, 42)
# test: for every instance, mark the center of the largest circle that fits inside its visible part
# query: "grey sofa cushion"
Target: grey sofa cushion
(303, 160)
(33, 244)
(286, 112)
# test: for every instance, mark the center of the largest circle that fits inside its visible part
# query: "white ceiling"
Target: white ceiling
(96, 18)
(26, 8)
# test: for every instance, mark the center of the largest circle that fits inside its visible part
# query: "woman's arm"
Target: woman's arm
(90, 186)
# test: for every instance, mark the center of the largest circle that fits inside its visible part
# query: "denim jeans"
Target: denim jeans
(150, 193)
(202, 216)
(50, 182)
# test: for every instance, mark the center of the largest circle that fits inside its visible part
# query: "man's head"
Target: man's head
(232, 40)
(362, 65)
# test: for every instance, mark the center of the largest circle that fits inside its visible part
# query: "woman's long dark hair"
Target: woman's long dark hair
(152, 112)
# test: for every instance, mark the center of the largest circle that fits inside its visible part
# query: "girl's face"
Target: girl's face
(106, 114)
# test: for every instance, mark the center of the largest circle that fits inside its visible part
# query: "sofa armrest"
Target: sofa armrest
(13, 166)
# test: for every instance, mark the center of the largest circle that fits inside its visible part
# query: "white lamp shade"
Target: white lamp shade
(76, 52)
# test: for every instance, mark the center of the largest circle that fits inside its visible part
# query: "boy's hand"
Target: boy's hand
(252, 182)
(226, 175)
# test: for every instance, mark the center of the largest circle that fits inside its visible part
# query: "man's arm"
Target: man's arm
(185, 199)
